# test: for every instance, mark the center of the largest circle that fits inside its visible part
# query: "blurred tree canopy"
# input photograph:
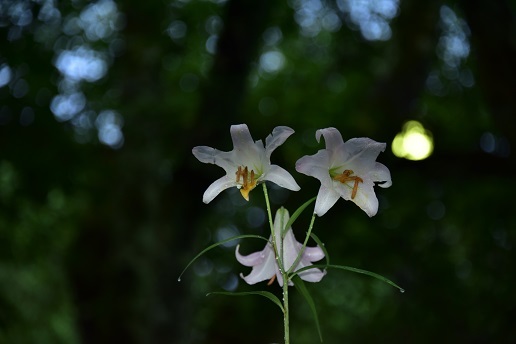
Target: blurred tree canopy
(101, 199)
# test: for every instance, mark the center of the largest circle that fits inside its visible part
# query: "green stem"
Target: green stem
(286, 278)
(271, 224)
(284, 272)
(300, 254)
(285, 306)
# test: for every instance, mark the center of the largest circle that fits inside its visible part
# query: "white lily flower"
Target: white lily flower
(346, 169)
(264, 264)
(248, 164)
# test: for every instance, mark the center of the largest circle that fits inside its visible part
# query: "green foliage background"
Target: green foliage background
(92, 239)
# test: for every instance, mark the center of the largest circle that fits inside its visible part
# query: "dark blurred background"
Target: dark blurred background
(101, 199)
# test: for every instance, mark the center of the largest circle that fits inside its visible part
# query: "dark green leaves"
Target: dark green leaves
(300, 286)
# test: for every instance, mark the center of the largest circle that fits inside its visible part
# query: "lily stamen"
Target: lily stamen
(248, 181)
(346, 176)
(238, 174)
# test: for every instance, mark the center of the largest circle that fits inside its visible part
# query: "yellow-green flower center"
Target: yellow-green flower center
(248, 181)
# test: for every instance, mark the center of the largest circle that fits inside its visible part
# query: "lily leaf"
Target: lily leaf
(266, 294)
(300, 286)
(321, 245)
(349, 268)
(218, 244)
(295, 215)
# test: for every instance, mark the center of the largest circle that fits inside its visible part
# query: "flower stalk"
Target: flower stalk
(285, 307)
(277, 253)
(283, 271)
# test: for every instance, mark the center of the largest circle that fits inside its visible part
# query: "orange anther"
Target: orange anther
(248, 181)
(238, 174)
(346, 176)
(355, 187)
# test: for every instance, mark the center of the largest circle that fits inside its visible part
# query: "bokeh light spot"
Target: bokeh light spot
(313, 16)
(272, 61)
(81, 64)
(109, 125)
(20, 88)
(26, 116)
(272, 36)
(20, 13)
(231, 283)
(488, 142)
(177, 30)
(436, 210)
(414, 142)
(213, 25)
(65, 106)
(370, 16)
(5, 74)
(211, 44)
(226, 232)
(100, 20)
(255, 217)
(492, 144)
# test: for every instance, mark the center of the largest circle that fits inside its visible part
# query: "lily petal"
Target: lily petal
(280, 176)
(314, 254)
(241, 136)
(291, 249)
(332, 137)
(264, 270)
(276, 138)
(316, 166)
(205, 154)
(363, 151)
(381, 174)
(210, 155)
(312, 275)
(246, 151)
(217, 187)
(326, 198)
(365, 198)
(251, 259)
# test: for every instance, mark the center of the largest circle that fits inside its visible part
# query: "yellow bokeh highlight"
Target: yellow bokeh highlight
(414, 142)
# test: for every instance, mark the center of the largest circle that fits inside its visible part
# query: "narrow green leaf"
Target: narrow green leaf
(295, 215)
(266, 294)
(360, 271)
(300, 286)
(321, 245)
(218, 244)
